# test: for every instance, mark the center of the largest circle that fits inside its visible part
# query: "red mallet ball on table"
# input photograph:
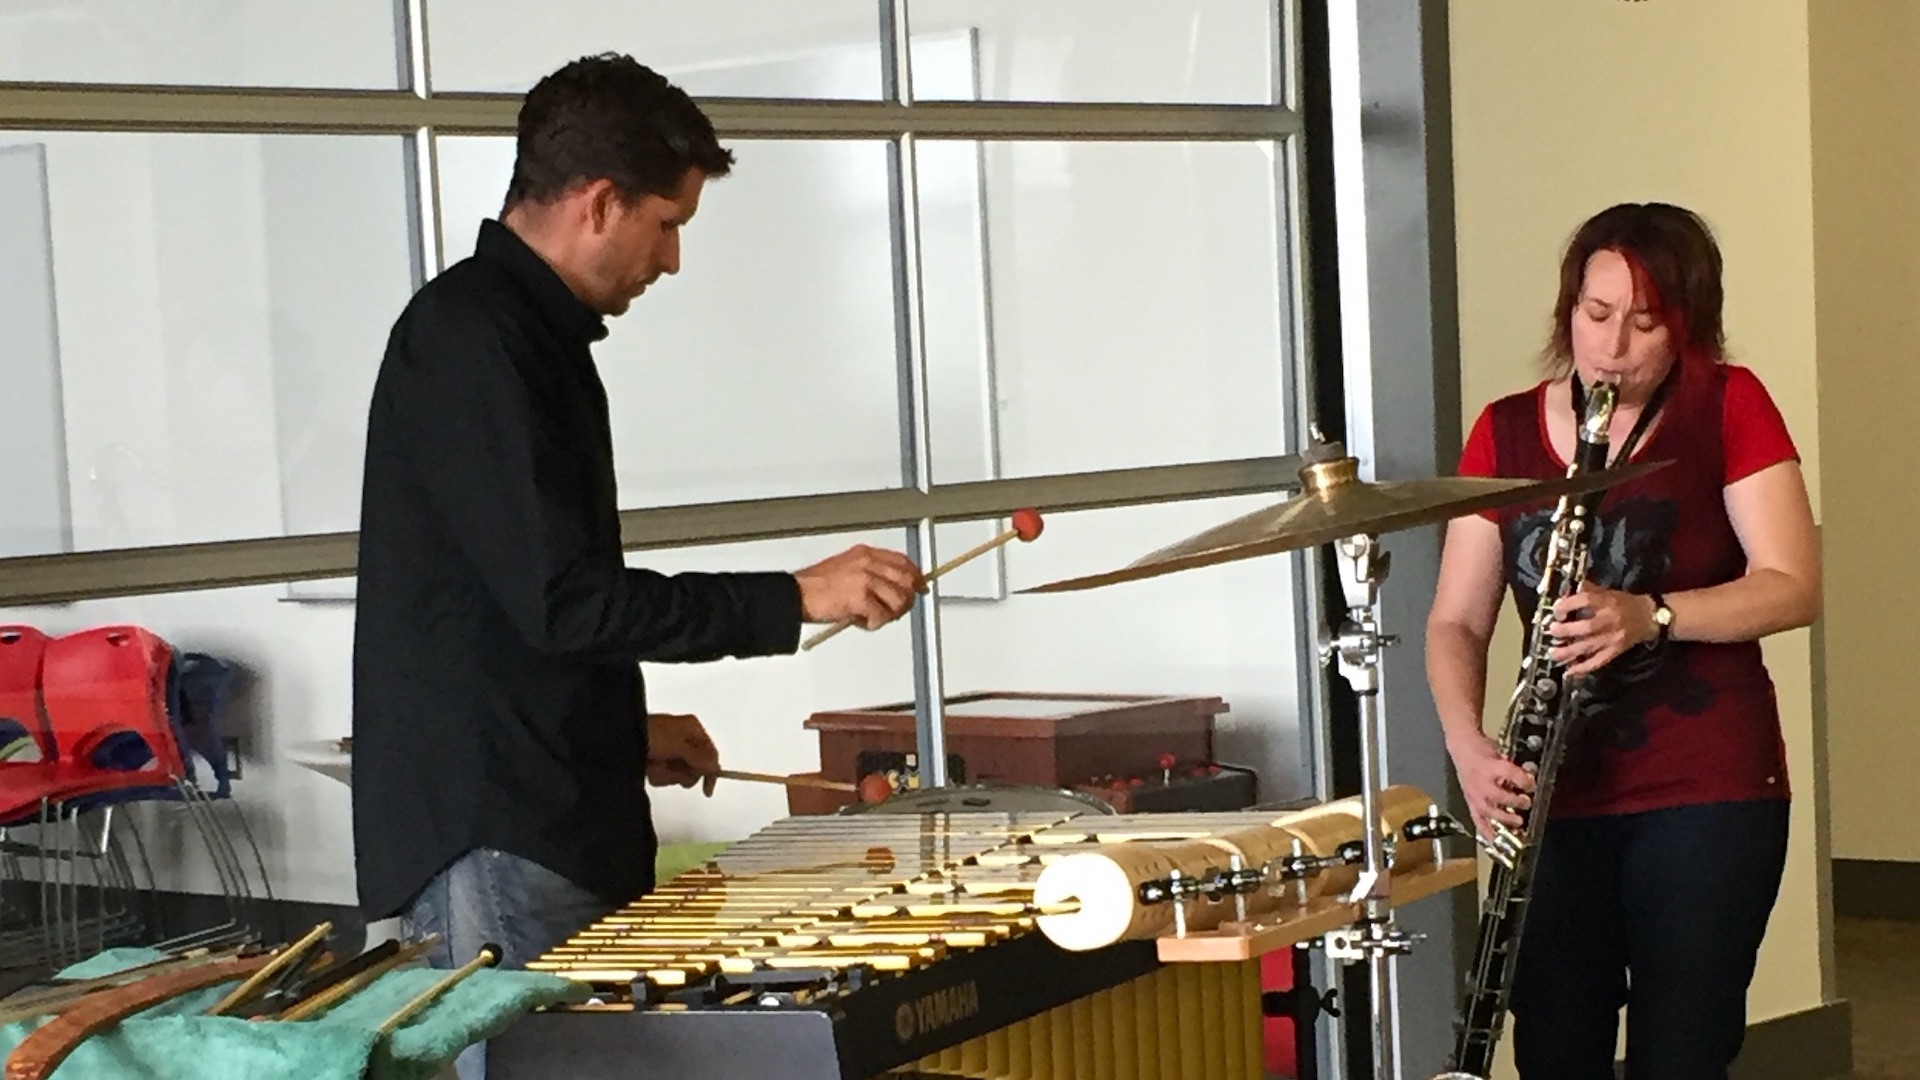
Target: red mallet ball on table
(875, 788)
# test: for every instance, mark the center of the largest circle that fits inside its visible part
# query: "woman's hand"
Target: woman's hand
(1594, 625)
(1494, 787)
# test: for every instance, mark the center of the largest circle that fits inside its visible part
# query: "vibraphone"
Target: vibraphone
(997, 945)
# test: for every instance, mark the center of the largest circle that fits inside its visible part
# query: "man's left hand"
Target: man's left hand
(679, 753)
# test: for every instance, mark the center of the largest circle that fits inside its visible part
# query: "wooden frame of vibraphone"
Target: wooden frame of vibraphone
(842, 948)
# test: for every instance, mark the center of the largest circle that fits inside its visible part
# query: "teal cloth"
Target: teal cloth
(174, 1041)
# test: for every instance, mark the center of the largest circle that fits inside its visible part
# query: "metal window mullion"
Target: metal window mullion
(219, 564)
(423, 205)
(423, 157)
(260, 110)
(1347, 139)
(1310, 610)
(417, 77)
(1309, 597)
(916, 422)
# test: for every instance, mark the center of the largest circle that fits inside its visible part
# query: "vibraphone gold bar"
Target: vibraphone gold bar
(1028, 945)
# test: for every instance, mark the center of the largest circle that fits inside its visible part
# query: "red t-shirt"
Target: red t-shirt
(1689, 722)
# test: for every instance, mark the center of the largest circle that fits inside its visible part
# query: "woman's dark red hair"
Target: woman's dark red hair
(1676, 267)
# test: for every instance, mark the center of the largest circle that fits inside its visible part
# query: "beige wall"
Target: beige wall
(1866, 185)
(1561, 108)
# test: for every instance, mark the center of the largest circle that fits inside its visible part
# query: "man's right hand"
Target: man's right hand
(866, 586)
(1493, 786)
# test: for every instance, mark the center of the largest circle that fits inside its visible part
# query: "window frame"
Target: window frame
(417, 113)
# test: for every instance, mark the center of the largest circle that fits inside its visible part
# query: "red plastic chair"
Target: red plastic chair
(21, 651)
(113, 705)
(104, 692)
(105, 688)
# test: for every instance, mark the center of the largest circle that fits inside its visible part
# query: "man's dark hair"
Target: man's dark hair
(611, 117)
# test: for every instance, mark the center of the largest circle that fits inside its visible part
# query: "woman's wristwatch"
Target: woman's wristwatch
(1662, 620)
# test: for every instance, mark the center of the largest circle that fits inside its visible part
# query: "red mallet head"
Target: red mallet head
(875, 788)
(1027, 525)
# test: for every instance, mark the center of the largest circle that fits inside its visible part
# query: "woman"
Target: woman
(1667, 828)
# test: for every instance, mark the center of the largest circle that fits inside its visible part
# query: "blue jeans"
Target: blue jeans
(1662, 912)
(491, 896)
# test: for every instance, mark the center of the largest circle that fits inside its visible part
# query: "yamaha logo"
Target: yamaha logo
(942, 1008)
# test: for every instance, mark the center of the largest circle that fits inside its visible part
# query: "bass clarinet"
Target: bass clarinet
(1540, 716)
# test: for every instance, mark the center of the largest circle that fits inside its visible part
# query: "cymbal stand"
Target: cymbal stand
(1357, 647)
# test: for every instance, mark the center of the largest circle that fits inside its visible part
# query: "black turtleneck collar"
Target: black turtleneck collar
(551, 296)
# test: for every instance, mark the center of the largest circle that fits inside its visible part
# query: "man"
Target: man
(499, 741)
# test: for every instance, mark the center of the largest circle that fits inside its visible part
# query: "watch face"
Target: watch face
(1663, 615)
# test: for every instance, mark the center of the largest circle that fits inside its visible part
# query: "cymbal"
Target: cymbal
(1334, 504)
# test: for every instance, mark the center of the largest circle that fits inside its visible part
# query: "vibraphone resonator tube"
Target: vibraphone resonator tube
(1138, 891)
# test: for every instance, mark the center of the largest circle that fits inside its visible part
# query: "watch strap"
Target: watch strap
(1664, 627)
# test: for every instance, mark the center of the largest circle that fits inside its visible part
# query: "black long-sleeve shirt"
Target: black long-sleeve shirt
(496, 696)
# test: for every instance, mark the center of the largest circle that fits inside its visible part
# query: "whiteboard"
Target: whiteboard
(35, 516)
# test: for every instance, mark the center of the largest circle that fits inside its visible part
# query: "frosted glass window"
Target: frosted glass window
(339, 44)
(1200, 51)
(766, 367)
(1226, 631)
(756, 709)
(220, 306)
(754, 48)
(1131, 299)
(1216, 51)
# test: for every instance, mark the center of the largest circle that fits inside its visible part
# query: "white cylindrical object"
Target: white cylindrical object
(1110, 907)
(1106, 880)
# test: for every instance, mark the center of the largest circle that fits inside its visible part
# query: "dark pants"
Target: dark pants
(1662, 912)
(491, 896)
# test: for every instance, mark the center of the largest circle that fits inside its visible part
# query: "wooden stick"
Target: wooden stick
(790, 781)
(489, 955)
(279, 963)
(951, 564)
(332, 995)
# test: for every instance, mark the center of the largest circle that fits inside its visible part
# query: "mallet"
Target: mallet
(1026, 528)
(872, 788)
(489, 955)
(796, 780)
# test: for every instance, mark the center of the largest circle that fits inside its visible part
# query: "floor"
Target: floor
(1879, 972)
